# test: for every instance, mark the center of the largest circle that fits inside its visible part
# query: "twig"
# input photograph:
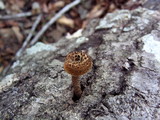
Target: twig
(29, 35)
(16, 16)
(53, 19)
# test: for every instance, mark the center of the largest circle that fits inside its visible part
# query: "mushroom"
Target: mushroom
(77, 64)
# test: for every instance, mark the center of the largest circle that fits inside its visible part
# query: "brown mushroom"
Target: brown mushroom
(77, 64)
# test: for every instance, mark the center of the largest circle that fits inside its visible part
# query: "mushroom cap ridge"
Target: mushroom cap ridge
(77, 63)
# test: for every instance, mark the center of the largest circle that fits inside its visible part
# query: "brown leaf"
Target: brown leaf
(18, 34)
(15, 6)
(112, 7)
(1, 68)
(66, 21)
(19, 3)
(96, 11)
(45, 8)
(8, 23)
(56, 6)
(8, 45)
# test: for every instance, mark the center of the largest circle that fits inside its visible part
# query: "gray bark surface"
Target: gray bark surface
(124, 83)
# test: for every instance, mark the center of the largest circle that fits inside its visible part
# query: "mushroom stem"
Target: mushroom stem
(76, 86)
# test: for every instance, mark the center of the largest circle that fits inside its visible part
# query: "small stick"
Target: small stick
(20, 51)
(53, 19)
(16, 16)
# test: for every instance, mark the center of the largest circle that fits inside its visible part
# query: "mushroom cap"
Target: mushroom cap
(77, 63)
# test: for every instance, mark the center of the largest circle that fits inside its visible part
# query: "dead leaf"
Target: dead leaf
(66, 21)
(6, 33)
(45, 8)
(56, 6)
(8, 23)
(112, 7)
(59, 4)
(96, 11)
(18, 34)
(15, 6)
(19, 3)
(1, 68)
(9, 44)
(1, 45)
(55, 34)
